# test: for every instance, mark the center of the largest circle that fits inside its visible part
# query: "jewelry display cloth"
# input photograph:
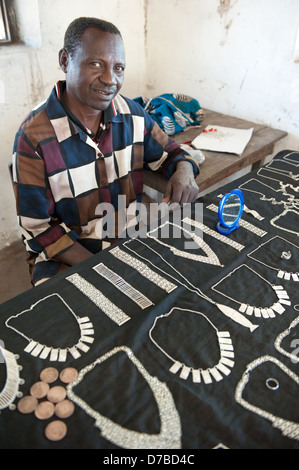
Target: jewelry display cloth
(187, 341)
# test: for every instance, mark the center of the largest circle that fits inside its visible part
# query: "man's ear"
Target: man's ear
(63, 60)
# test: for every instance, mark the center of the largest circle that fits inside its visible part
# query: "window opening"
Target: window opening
(5, 35)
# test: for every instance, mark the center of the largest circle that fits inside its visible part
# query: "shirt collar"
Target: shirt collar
(108, 114)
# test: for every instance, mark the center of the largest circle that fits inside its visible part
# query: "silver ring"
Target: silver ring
(272, 383)
(286, 255)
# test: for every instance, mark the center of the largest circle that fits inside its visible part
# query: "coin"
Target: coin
(64, 409)
(39, 389)
(56, 430)
(27, 404)
(56, 394)
(45, 410)
(49, 375)
(68, 375)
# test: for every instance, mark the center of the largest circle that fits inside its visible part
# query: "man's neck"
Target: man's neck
(90, 118)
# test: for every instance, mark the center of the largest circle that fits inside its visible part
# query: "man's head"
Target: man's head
(74, 32)
(93, 59)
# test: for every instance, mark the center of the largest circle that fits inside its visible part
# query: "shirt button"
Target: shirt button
(103, 182)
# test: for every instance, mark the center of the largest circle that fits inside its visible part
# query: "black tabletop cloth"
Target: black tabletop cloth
(150, 308)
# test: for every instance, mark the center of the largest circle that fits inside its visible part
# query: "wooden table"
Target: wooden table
(218, 166)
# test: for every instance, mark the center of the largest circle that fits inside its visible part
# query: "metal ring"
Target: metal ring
(272, 383)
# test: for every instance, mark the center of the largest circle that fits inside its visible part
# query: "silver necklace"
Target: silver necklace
(227, 311)
(284, 213)
(200, 375)
(212, 233)
(289, 205)
(143, 270)
(291, 251)
(271, 167)
(289, 429)
(243, 223)
(282, 191)
(43, 351)
(170, 433)
(13, 380)
(286, 157)
(210, 258)
(258, 311)
(281, 337)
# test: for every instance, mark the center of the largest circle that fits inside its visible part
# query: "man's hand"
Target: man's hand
(181, 187)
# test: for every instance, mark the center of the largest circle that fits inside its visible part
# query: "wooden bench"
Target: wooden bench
(218, 166)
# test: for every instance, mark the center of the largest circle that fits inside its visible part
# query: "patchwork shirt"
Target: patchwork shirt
(62, 172)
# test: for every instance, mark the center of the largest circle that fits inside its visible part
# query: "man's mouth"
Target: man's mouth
(108, 94)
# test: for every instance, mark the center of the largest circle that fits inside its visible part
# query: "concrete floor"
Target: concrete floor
(14, 274)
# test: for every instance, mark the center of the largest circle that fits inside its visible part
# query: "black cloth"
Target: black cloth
(211, 415)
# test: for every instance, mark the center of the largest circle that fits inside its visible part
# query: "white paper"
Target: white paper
(223, 139)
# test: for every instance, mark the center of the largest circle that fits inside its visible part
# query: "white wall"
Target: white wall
(234, 56)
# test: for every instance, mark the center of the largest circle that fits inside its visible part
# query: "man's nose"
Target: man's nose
(108, 77)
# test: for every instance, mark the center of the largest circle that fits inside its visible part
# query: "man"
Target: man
(85, 146)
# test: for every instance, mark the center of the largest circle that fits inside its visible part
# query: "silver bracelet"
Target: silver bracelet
(99, 299)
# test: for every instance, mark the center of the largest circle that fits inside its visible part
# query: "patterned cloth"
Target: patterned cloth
(62, 172)
(173, 112)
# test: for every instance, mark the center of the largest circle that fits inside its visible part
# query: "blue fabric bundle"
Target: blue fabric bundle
(173, 112)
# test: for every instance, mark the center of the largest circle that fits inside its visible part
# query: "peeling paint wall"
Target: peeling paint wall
(234, 56)
(225, 6)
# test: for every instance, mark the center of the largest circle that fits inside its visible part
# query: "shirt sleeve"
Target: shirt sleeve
(43, 233)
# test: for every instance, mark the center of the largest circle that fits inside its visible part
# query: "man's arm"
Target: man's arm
(73, 255)
(181, 187)
(163, 154)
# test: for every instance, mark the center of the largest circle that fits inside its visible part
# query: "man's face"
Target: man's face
(95, 71)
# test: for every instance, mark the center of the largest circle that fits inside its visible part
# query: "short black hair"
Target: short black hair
(75, 30)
